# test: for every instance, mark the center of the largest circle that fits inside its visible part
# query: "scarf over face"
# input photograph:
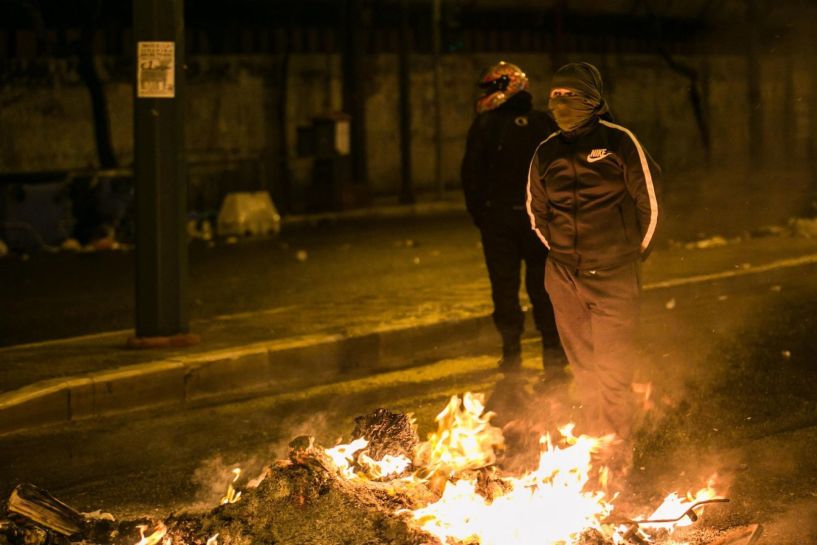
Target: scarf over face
(572, 112)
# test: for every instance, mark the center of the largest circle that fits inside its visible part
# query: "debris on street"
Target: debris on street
(804, 227)
(386, 486)
(248, 213)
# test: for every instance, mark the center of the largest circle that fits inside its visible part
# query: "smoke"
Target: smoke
(214, 474)
(317, 425)
(212, 478)
(526, 413)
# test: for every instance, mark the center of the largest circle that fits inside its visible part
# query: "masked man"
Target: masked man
(500, 143)
(594, 201)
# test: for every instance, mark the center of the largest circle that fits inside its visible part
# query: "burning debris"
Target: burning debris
(388, 487)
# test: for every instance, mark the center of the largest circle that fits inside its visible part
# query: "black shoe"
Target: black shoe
(510, 361)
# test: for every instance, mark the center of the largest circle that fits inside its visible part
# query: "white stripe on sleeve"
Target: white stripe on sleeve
(647, 180)
(529, 199)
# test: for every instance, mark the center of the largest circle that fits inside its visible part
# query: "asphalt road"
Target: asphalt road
(50, 296)
(734, 392)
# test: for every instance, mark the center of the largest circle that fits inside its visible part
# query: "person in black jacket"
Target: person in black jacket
(494, 172)
(594, 201)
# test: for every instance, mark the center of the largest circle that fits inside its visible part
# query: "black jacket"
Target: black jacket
(594, 198)
(497, 154)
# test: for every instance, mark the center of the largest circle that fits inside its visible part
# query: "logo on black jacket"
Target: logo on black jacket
(521, 121)
(597, 155)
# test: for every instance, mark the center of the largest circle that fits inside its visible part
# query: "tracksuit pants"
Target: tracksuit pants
(597, 317)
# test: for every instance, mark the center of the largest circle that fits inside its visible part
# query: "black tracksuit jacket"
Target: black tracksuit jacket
(497, 154)
(594, 196)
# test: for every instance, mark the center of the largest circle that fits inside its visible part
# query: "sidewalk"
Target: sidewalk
(409, 321)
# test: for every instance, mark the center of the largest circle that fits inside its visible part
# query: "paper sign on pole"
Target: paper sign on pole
(155, 69)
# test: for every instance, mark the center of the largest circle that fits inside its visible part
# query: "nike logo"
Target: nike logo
(597, 155)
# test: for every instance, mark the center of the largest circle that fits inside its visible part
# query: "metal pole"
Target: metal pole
(406, 190)
(438, 123)
(159, 169)
(754, 96)
(354, 95)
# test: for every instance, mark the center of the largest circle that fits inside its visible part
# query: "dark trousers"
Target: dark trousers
(597, 317)
(507, 241)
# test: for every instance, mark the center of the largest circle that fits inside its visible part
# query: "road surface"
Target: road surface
(733, 392)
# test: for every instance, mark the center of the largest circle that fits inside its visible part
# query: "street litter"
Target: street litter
(248, 213)
(804, 227)
(200, 229)
(712, 242)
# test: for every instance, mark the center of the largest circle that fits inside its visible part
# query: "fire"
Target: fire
(465, 438)
(153, 538)
(348, 455)
(556, 503)
(344, 456)
(674, 506)
(548, 505)
(389, 465)
(232, 495)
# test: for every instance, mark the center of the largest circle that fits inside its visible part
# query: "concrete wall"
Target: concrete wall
(231, 107)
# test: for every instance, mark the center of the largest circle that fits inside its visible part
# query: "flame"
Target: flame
(674, 506)
(389, 465)
(465, 438)
(232, 496)
(344, 456)
(153, 538)
(347, 455)
(548, 505)
(556, 503)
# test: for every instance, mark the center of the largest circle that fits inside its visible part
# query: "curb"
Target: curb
(275, 366)
(266, 367)
(395, 211)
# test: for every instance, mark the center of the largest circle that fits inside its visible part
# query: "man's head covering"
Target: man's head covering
(499, 83)
(584, 79)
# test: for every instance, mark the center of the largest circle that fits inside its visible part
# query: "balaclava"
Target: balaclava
(572, 112)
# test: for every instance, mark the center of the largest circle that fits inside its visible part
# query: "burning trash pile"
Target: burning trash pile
(387, 487)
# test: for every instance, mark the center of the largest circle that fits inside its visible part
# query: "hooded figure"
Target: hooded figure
(594, 201)
(582, 100)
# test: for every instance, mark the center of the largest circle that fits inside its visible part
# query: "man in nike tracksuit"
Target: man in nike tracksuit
(594, 201)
